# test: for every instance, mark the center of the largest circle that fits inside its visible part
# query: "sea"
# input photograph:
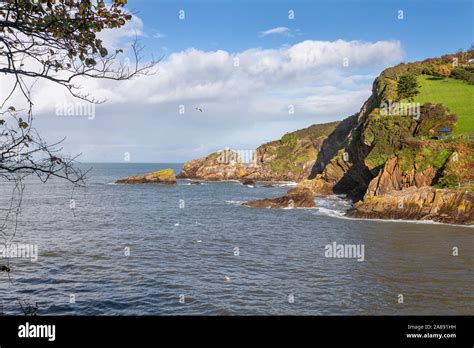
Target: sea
(148, 249)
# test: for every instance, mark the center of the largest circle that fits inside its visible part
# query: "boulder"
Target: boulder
(165, 176)
(296, 198)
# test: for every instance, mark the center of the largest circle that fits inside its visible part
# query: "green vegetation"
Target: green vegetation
(297, 148)
(407, 87)
(289, 139)
(164, 173)
(434, 117)
(385, 135)
(448, 181)
(464, 73)
(456, 95)
(423, 158)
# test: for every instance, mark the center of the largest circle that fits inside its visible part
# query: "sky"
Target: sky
(254, 72)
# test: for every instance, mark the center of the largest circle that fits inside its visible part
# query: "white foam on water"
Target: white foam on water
(285, 184)
(336, 206)
(235, 202)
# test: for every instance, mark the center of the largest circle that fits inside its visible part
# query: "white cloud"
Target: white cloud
(159, 35)
(116, 37)
(277, 30)
(244, 104)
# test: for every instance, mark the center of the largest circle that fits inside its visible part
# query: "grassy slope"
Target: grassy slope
(456, 95)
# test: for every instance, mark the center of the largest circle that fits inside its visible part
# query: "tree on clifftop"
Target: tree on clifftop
(407, 87)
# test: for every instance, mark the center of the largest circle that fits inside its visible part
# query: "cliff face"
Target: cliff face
(292, 158)
(373, 157)
(394, 178)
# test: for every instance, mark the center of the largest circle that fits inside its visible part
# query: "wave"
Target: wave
(341, 214)
(235, 202)
(285, 184)
(421, 222)
(331, 212)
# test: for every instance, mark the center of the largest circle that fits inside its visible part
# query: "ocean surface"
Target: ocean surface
(194, 250)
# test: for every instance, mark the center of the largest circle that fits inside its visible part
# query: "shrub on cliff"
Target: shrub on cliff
(432, 118)
(289, 139)
(463, 73)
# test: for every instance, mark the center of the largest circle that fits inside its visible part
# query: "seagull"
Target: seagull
(199, 241)
(227, 279)
(198, 109)
(176, 224)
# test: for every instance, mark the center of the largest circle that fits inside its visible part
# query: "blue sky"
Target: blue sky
(299, 64)
(429, 28)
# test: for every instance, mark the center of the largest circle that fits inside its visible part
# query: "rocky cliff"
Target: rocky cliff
(376, 157)
(292, 158)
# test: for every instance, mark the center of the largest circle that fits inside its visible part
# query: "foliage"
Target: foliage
(434, 117)
(385, 135)
(412, 157)
(407, 87)
(297, 148)
(289, 139)
(463, 73)
(57, 40)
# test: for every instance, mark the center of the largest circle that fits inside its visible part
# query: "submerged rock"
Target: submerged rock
(296, 198)
(165, 176)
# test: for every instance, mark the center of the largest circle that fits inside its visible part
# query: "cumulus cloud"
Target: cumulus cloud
(277, 30)
(246, 98)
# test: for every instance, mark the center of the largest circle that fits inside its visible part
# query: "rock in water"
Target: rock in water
(248, 182)
(296, 198)
(165, 176)
(426, 203)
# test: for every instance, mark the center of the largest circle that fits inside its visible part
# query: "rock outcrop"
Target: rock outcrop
(248, 182)
(165, 176)
(292, 158)
(426, 203)
(394, 178)
(296, 198)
